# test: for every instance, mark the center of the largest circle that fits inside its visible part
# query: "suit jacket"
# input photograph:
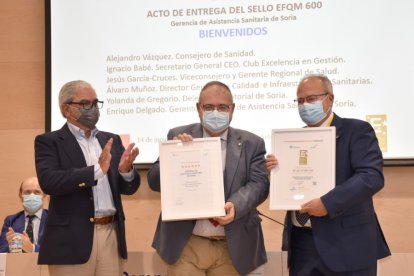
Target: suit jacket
(350, 238)
(63, 174)
(17, 222)
(246, 184)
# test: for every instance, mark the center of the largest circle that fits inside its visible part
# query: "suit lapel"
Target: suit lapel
(71, 147)
(20, 221)
(197, 131)
(102, 139)
(233, 152)
(337, 123)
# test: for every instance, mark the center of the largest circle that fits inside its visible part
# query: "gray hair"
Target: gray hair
(326, 82)
(69, 89)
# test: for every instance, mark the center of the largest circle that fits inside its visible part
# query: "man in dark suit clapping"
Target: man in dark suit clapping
(84, 171)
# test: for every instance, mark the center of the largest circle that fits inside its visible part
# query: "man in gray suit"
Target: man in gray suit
(232, 244)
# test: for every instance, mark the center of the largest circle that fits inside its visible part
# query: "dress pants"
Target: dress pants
(305, 260)
(203, 257)
(104, 259)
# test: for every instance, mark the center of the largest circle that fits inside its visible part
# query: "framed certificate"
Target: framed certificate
(306, 166)
(191, 179)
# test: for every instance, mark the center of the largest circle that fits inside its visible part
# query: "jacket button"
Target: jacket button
(82, 184)
(91, 219)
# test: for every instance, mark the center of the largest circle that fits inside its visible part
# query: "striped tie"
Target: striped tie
(301, 218)
(29, 228)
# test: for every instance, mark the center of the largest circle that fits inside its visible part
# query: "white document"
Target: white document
(191, 179)
(306, 166)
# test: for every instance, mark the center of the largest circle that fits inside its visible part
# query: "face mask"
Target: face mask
(88, 117)
(32, 203)
(215, 121)
(312, 113)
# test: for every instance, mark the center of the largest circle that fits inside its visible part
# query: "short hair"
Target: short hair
(68, 90)
(219, 83)
(21, 188)
(21, 185)
(325, 80)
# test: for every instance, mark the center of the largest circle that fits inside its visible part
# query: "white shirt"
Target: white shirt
(102, 195)
(204, 227)
(35, 223)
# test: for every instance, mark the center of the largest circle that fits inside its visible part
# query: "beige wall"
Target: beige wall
(22, 79)
(22, 82)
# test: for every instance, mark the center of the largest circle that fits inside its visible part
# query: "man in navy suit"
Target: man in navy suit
(84, 171)
(232, 244)
(342, 235)
(32, 199)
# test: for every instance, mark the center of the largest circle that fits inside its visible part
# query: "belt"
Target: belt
(212, 238)
(103, 220)
(302, 228)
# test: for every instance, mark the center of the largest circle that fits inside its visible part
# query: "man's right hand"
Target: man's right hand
(184, 137)
(105, 157)
(9, 234)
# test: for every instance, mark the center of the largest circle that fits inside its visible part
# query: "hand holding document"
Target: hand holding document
(191, 179)
(306, 166)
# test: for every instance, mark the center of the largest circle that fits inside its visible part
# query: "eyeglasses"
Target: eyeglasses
(220, 107)
(310, 98)
(88, 105)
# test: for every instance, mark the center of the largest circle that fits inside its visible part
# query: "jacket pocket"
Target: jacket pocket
(253, 222)
(356, 219)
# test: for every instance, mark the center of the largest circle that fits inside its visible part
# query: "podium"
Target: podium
(150, 264)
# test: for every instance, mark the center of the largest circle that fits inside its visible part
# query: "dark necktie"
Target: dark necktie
(301, 218)
(29, 228)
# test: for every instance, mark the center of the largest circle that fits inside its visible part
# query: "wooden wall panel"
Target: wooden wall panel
(22, 80)
(22, 86)
(22, 31)
(16, 164)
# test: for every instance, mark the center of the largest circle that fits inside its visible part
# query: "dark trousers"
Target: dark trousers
(305, 260)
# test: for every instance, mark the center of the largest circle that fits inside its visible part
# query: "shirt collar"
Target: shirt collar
(223, 136)
(38, 214)
(328, 121)
(80, 133)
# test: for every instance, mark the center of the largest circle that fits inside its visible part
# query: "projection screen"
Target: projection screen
(148, 60)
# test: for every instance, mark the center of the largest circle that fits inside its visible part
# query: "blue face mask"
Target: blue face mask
(215, 121)
(312, 113)
(32, 203)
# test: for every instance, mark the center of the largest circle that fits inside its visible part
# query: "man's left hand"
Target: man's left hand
(230, 214)
(127, 158)
(27, 244)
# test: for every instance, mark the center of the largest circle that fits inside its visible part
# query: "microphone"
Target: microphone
(278, 222)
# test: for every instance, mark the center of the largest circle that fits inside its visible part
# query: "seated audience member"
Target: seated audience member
(28, 222)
